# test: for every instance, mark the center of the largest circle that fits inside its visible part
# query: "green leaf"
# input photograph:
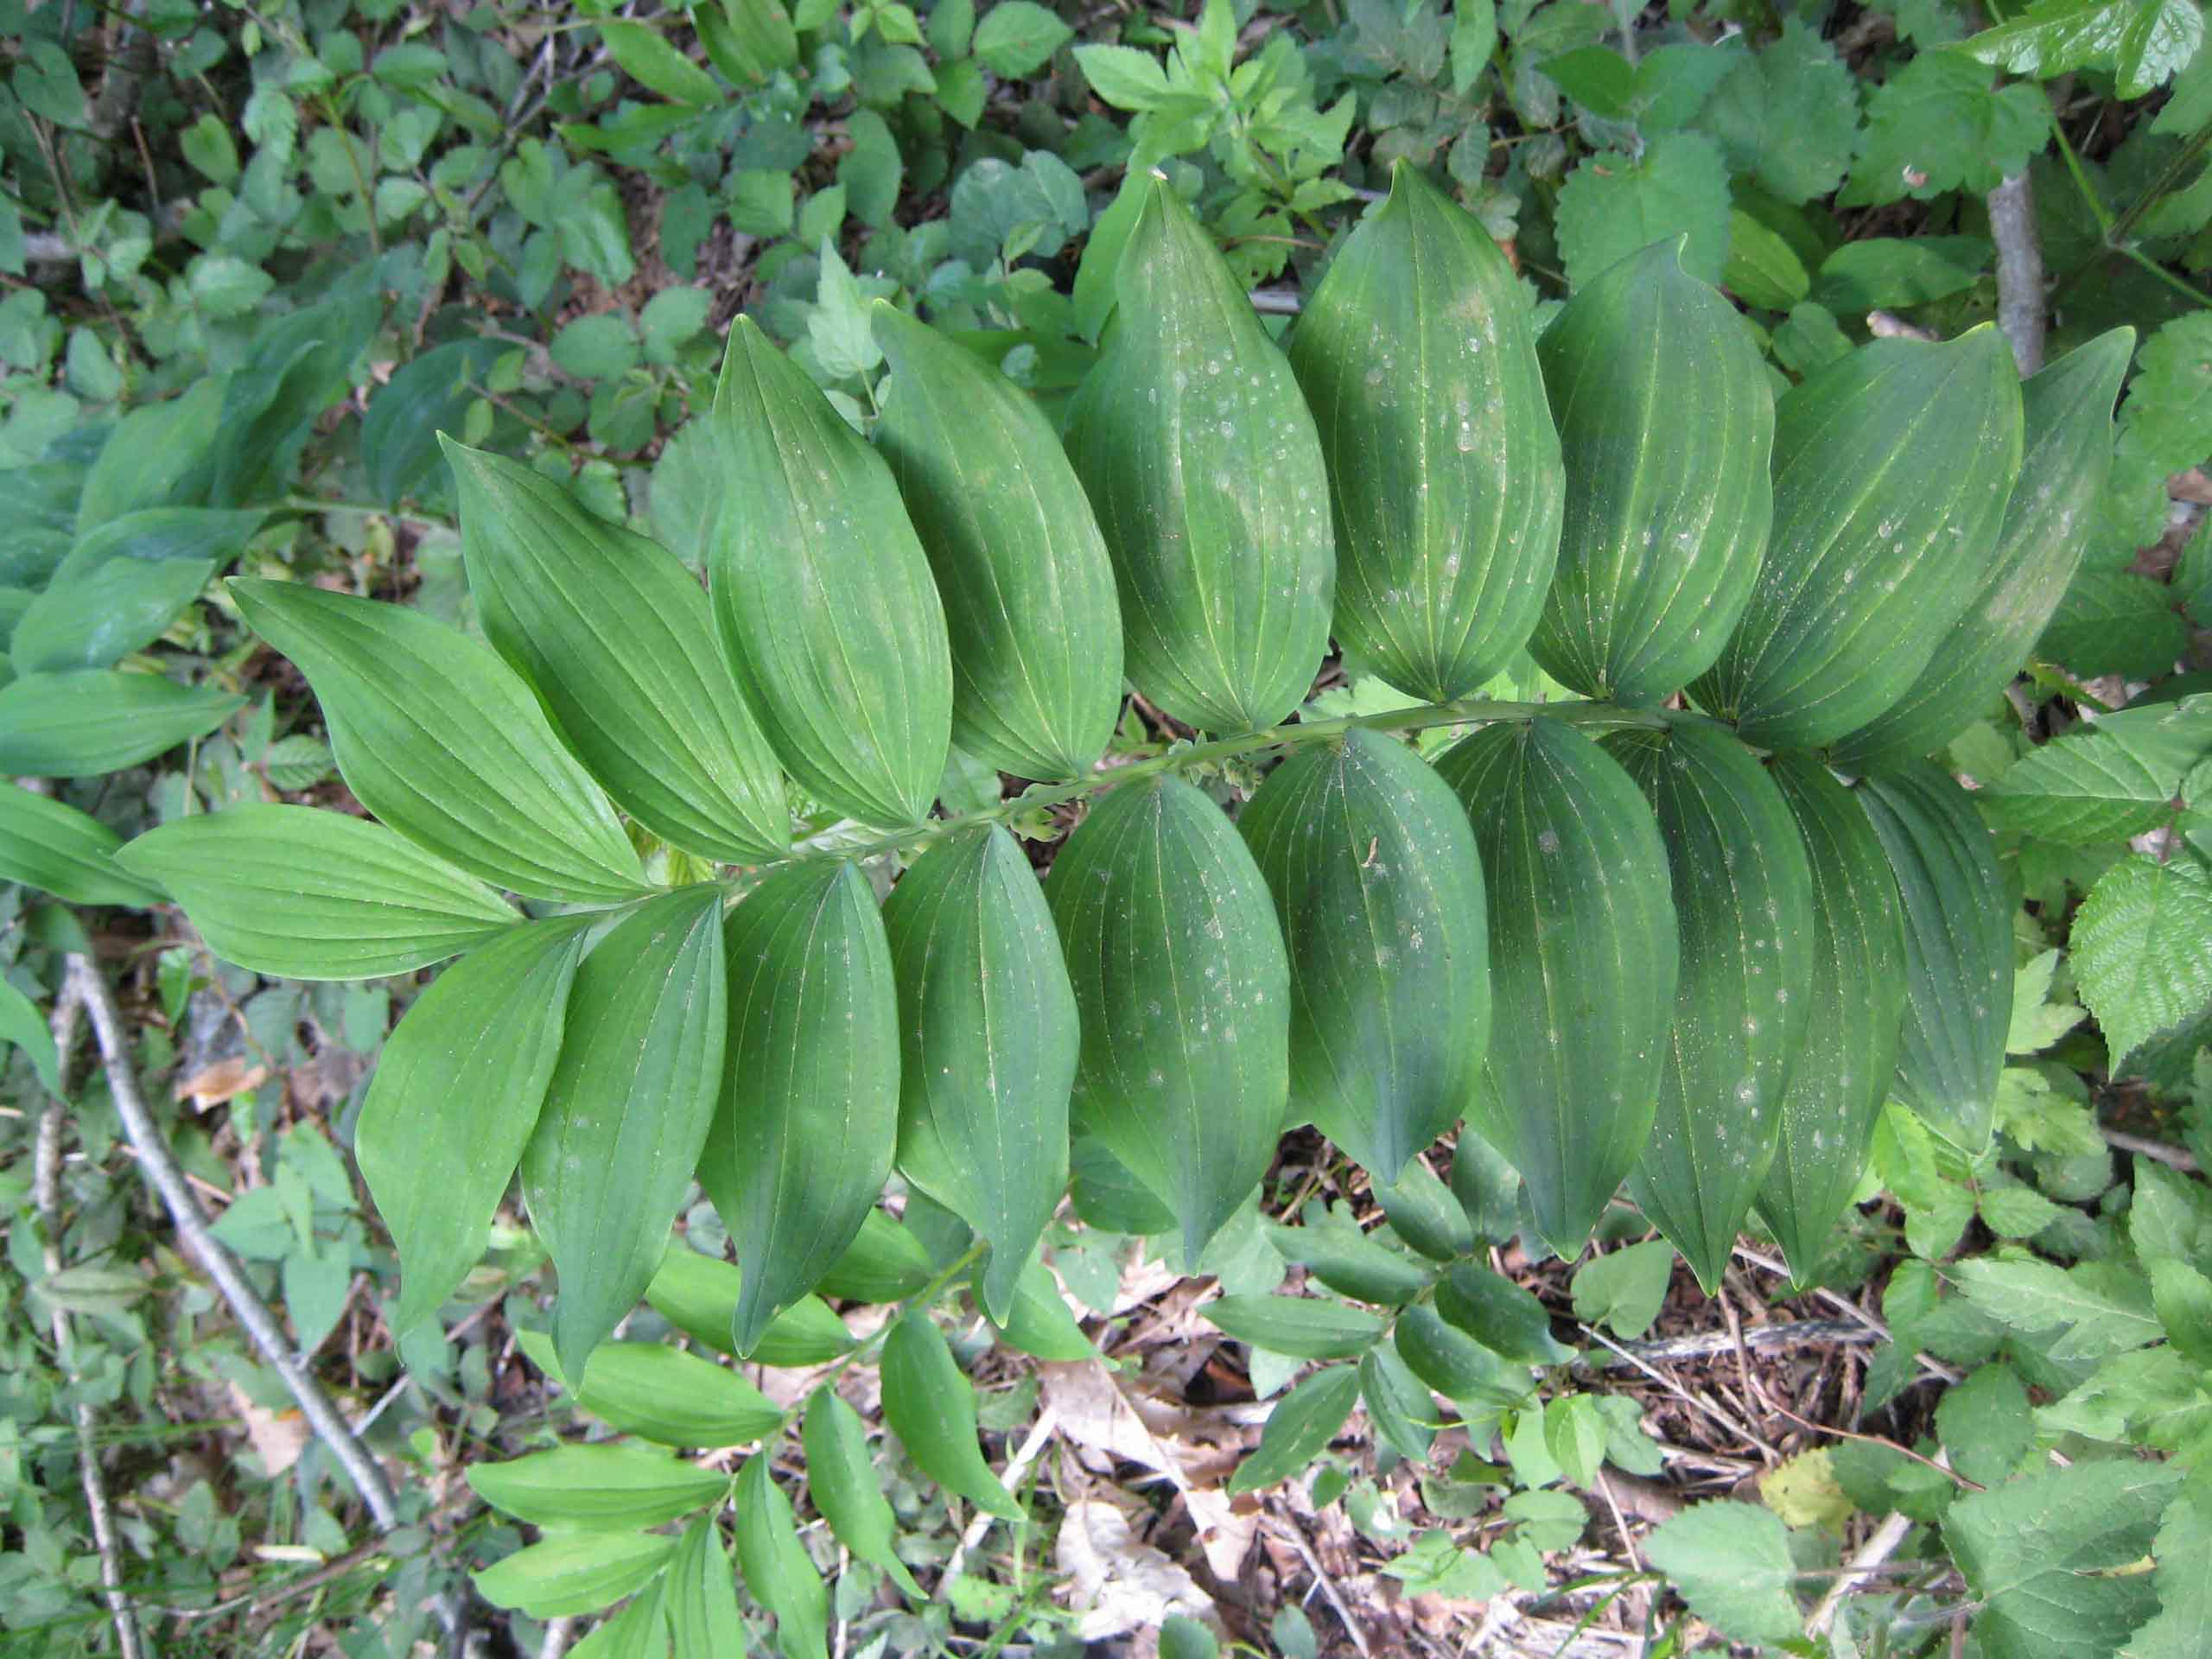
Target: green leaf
(1302, 1327)
(803, 1139)
(698, 1294)
(1613, 205)
(1182, 1637)
(1986, 1424)
(1855, 1008)
(2183, 1625)
(612, 1488)
(699, 1595)
(2168, 1216)
(1453, 1362)
(1299, 1429)
(842, 1478)
(1488, 1188)
(1890, 471)
(1427, 1214)
(407, 418)
(989, 1044)
(1018, 37)
(2116, 622)
(1401, 1409)
(1732, 1563)
(1038, 1319)
(2016, 1211)
(488, 1031)
(1788, 114)
(24, 1025)
(156, 537)
(1934, 126)
(1763, 269)
(884, 1263)
(1578, 895)
(617, 639)
(2106, 784)
(122, 607)
(2146, 42)
(302, 893)
(1447, 484)
(601, 346)
(1625, 1289)
(871, 170)
(2046, 1554)
(931, 1407)
(1958, 949)
(2065, 459)
(646, 56)
(1349, 1263)
(578, 1574)
(438, 738)
(824, 595)
(662, 1393)
(1028, 590)
(747, 40)
(2104, 1308)
(1886, 271)
(1743, 897)
(50, 845)
(89, 720)
(627, 1109)
(1204, 463)
(1500, 1315)
(1184, 990)
(2142, 951)
(1124, 77)
(1380, 890)
(776, 1567)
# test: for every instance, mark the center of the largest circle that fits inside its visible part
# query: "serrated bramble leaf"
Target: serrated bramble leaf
(1732, 1563)
(1937, 126)
(1788, 114)
(1614, 204)
(2142, 951)
(2144, 42)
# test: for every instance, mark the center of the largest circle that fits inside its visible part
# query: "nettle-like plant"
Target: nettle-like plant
(1694, 952)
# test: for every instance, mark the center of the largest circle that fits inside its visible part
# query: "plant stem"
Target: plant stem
(921, 1298)
(1462, 711)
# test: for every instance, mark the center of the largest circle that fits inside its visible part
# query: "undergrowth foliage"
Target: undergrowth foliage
(1692, 945)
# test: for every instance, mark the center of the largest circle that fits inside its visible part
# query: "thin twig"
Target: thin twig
(47, 1186)
(2020, 314)
(1843, 1305)
(2183, 1161)
(1680, 1392)
(557, 1632)
(1709, 1344)
(1862, 1566)
(160, 1167)
(1030, 1449)
(1329, 1589)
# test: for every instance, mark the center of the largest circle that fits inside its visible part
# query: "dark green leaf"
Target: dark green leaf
(1185, 993)
(647, 55)
(775, 1566)
(698, 1294)
(1349, 1262)
(626, 1109)
(931, 1406)
(1427, 1214)
(1500, 1315)
(1380, 892)
(1299, 1429)
(1401, 1409)
(989, 1041)
(23, 1024)
(424, 401)
(1453, 1362)
(803, 1139)
(884, 1263)
(1302, 1327)
(1038, 1319)
(841, 1477)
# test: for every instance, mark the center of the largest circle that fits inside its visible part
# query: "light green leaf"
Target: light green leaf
(613, 1488)
(486, 1032)
(1732, 1563)
(617, 639)
(2104, 1307)
(438, 738)
(698, 1294)
(2045, 1553)
(23, 1024)
(1187, 1087)
(2143, 949)
(1038, 1319)
(1625, 1289)
(85, 721)
(303, 893)
(803, 1139)
(1302, 1327)
(2183, 1297)
(574, 1575)
(841, 1477)
(1018, 37)
(50, 845)
(1612, 205)
(93, 622)
(931, 1406)
(1935, 126)
(1299, 1429)
(647, 55)
(662, 1393)
(2183, 1544)
(626, 1110)
(776, 1567)
(2146, 41)
(700, 1596)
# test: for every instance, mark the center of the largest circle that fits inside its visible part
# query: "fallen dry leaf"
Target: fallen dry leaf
(223, 1081)
(1118, 1581)
(278, 1437)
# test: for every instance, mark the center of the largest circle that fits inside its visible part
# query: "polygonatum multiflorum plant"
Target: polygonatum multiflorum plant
(1686, 930)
